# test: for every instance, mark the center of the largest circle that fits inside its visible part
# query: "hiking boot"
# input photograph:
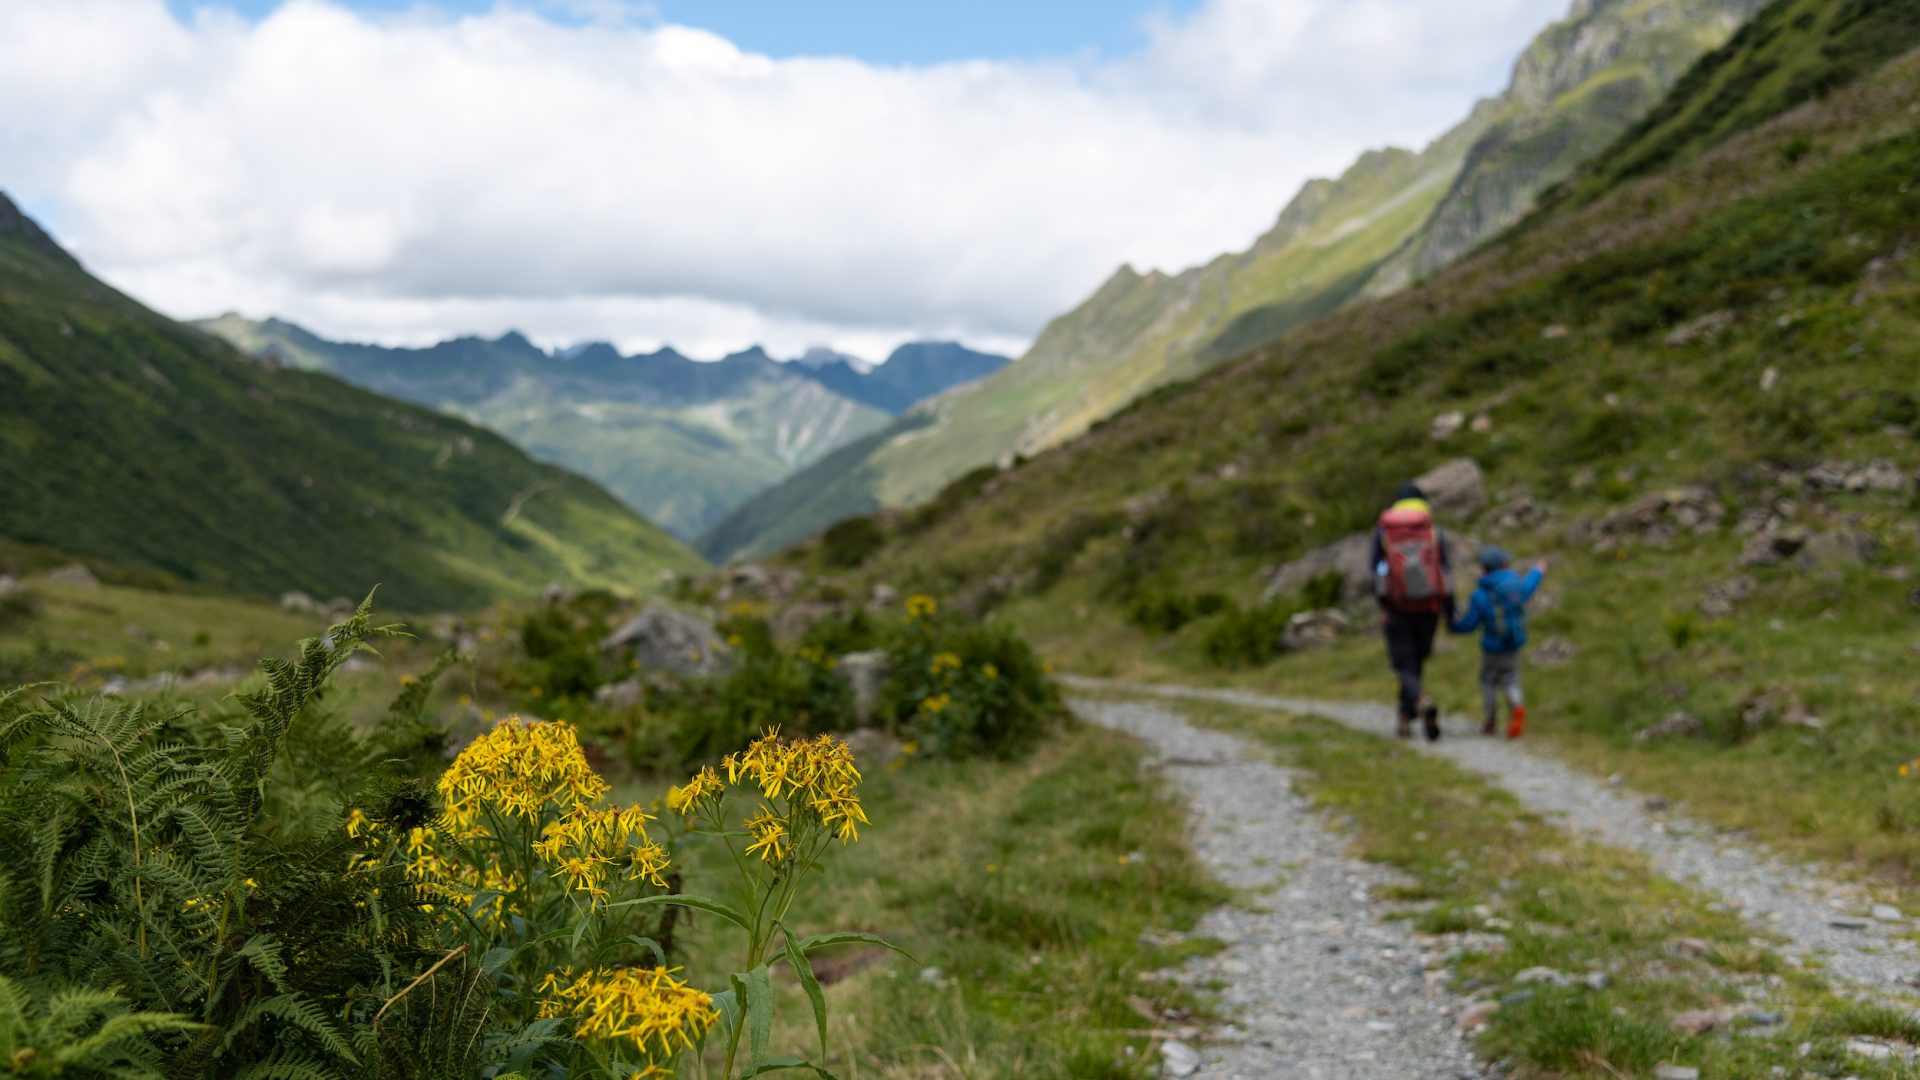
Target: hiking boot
(1405, 728)
(1430, 720)
(1518, 725)
(1490, 727)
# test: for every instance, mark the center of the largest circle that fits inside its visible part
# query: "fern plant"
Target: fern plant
(151, 875)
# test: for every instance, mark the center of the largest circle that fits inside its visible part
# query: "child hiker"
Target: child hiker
(1499, 611)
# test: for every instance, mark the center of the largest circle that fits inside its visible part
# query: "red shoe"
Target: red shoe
(1518, 725)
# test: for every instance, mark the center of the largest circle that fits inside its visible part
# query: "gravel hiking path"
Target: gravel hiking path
(1821, 920)
(1321, 983)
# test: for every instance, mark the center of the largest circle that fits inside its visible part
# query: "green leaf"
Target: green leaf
(651, 946)
(727, 1004)
(755, 989)
(850, 937)
(808, 982)
(698, 903)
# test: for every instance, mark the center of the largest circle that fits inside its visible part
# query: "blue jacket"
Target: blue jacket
(1499, 610)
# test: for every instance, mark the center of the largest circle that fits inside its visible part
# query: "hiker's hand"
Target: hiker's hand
(1541, 566)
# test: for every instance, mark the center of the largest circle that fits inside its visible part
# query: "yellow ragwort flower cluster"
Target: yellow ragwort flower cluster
(698, 791)
(649, 1008)
(921, 606)
(584, 847)
(518, 768)
(816, 776)
(943, 663)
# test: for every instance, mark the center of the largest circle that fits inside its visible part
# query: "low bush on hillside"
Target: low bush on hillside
(851, 542)
(966, 689)
(274, 894)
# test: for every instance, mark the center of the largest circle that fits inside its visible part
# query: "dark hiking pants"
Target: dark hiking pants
(1409, 643)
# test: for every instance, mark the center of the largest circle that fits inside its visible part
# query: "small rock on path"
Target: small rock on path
(1817, 917)
(1319, 984)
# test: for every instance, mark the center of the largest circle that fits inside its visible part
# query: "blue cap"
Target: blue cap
(1493, 557)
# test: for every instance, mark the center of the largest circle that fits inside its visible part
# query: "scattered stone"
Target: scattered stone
(865, 673)
(1347, 555)
(624, 694)
(1672, 726)
(1654, 805)
(1597, 980)
(1701, 329)
(74, 574)
(1657, 517)
(1775, 705)
(1841, 547)
(1888, 913)
(1141, 507)
(1700, 1021)
(556, 593)
(1447, 424)
(1314, 629)
(1760, 1019)
(931, 974)
(754, 581)
(1480, 424)
(1518, 997)
(663, 639)
(9, 585)
(1692, 946)
(1848, 922)
(883, 598)
(1457, 489)
(1722, 599)
(1771, 548)
(1675, 1072)
(1521, 513)
(1476, 1016)
(1866, 1046)
(795, 620)
(1555, 331)
(1554, 652)
(1539, 975)
(300, 602)
(873, 748)
(1179, 1058)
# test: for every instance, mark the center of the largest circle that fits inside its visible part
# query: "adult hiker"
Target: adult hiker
(1411, 578)
(1499, 611)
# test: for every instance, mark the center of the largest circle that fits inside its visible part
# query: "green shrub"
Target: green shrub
(1246, 637)
(851, 542)
(1162, 612)
(967, 689)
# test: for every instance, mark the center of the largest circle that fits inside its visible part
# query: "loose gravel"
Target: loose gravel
(1320, 981)
(1819, 919)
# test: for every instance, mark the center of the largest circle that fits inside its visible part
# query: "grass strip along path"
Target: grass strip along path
(1574, 957)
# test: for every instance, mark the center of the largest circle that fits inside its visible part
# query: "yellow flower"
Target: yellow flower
(585, 844)
(736, 640)
(921, 606)
(909, 748)
(936, 704)
(990, 671)
(519, 769)
(407, 680)
(466, 700)
(648, 1008)
(946, 661)
(769, 834)
(703, 785)
(816, 776)
(535, 692)
(357, 822)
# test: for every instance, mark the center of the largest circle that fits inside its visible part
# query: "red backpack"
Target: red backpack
(1416, 578)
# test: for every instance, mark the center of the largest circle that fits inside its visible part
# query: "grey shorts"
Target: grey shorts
(1499, 670)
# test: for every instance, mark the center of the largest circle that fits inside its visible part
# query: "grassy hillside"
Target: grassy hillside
(682, 442)
(1664, 380)
(1391, 218)
(129, 437)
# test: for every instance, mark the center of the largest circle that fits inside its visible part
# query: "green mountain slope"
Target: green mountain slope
(127, 436)
(1393, 217)
(681, 441)
(1748, 313)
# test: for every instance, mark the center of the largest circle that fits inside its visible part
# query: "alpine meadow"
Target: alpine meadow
(1471, 631)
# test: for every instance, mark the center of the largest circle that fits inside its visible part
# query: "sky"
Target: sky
(708, 174)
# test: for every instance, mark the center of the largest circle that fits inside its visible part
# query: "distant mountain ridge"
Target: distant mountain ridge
(682, 441)
(141, 441)
(1393, 218)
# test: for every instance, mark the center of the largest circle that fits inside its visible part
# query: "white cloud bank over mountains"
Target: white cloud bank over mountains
(401, 178)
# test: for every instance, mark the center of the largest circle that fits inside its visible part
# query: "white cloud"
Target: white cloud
(405, 177)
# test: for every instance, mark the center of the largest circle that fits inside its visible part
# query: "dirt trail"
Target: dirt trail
(1321, 983)
(1820, 919)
